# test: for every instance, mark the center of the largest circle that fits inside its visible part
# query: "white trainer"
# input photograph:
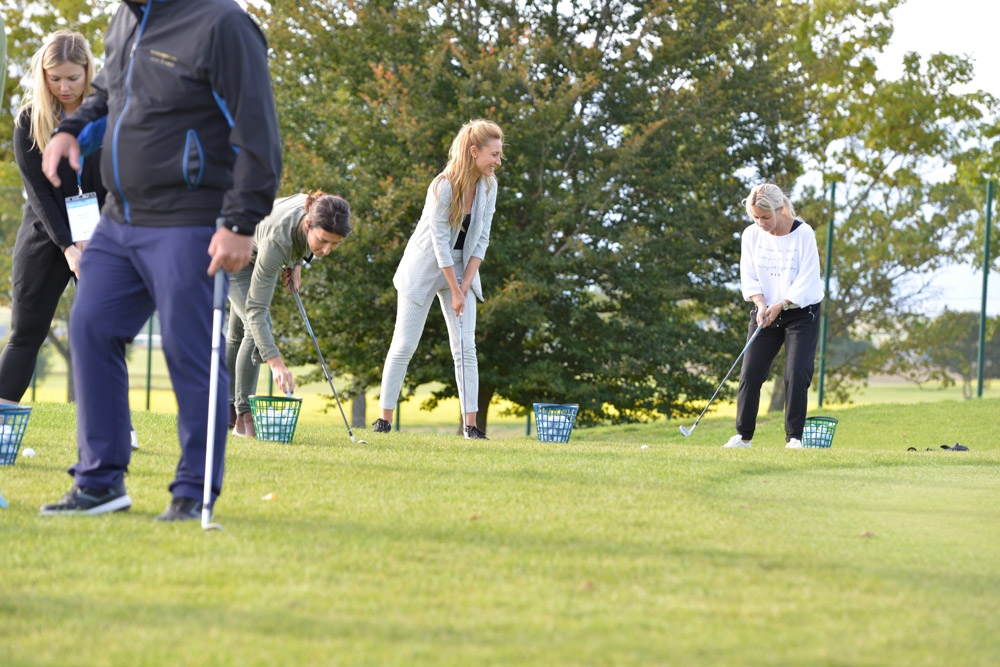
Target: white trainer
(737, 441)
(134, 440)
(794, 443)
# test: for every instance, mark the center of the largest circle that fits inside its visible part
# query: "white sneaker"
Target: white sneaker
(134, 440)
(794, 443)
(737, 441)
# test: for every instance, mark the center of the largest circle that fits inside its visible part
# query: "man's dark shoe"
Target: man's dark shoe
(232, 416)
(181, 509)
(87, 500)
(381, 426)
(473, 433)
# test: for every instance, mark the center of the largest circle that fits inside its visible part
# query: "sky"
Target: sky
(966, 27)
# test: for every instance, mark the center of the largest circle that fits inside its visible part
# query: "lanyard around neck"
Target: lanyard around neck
(79, 174)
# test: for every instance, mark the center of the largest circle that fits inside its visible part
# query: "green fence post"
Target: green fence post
(986, 275)
(34, 380)
(826, 291)
(527, 424)
(149, 360)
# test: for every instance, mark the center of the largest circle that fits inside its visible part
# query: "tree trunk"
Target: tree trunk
(358, 419)
(485, 396)
(778, 396)
(777, 403)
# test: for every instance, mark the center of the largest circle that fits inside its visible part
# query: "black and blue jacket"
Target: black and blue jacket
(184, 113)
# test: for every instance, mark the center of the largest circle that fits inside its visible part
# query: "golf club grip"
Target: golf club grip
(219, 290)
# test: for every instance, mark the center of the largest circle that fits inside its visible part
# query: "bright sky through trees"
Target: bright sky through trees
(965, 27)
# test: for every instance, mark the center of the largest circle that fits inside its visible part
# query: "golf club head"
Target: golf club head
(686, 431)
(206, 516)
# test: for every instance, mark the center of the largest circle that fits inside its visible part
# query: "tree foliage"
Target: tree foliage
(944, 349)
(613, 251)
(633, 130)
(907, 202)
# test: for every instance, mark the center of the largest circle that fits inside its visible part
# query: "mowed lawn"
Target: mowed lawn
(627, 545)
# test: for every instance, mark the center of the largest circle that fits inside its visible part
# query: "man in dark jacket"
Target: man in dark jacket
(184, 112)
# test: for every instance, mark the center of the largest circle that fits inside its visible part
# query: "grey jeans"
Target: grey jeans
(410, 320)
(242, 358)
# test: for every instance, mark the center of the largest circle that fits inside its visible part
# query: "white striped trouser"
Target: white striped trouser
(410, 319)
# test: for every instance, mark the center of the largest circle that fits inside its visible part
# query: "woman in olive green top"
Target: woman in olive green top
(299, 227)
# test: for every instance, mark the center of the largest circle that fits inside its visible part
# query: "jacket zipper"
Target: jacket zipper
(128, 100)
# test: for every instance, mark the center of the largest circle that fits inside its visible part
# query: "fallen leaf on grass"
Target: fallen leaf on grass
(867, 533)
(473, 517)
(586, 585)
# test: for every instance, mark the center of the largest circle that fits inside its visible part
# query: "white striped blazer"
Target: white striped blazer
(429, 248)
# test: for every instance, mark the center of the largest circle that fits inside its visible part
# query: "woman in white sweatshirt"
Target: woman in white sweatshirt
(779, 272)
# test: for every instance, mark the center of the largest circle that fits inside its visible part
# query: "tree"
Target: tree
(906, 203)
(942, 348)
(633, 130)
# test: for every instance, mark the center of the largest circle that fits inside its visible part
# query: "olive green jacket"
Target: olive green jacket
(278, 243)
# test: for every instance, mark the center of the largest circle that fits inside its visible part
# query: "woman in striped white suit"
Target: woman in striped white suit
(442, 259)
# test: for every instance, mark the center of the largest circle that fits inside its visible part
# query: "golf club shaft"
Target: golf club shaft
(461, 342)
(218, 299)
(721, 384)
(322, 362)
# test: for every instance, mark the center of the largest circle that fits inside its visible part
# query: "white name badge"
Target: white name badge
(84, 214)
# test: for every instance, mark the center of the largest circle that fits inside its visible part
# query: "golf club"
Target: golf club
(218, 302)
(326, 371)
(687, 431)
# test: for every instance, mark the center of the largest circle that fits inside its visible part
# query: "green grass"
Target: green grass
(428, 549)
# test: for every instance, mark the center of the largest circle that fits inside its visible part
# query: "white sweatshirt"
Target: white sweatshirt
(781, 267)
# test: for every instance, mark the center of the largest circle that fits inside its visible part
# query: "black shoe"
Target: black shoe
(181, 509)
(473, 433)
(381, 426)
(87, 500)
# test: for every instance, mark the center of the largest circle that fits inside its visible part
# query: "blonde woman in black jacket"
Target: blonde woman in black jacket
(45, 256)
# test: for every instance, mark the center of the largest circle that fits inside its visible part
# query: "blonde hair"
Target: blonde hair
(461, 169)
(60, 47)
(768, 197)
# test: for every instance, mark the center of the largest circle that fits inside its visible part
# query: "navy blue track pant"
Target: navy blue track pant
(798, 330)
(126, 272)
